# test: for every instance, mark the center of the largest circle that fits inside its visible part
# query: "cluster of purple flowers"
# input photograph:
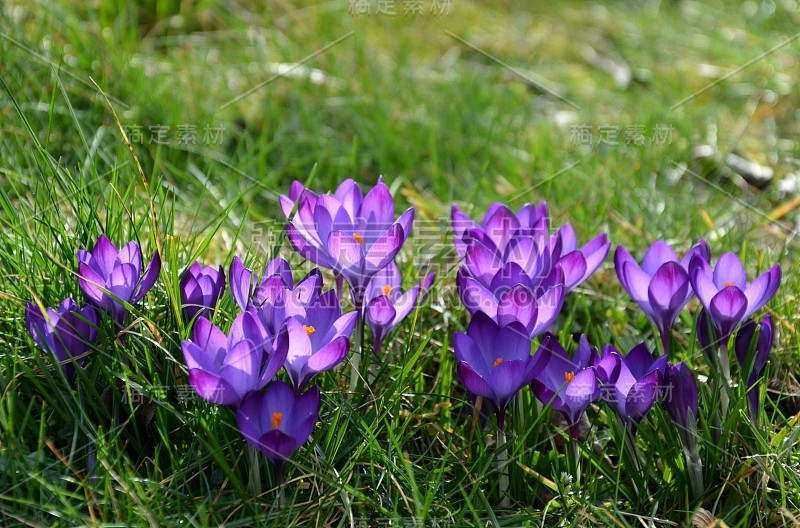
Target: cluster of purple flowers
(513, 280)
(112, 279)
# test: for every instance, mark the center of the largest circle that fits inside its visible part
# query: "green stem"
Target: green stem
(502, 460)
(725, 367)
(355, 364)
(574, 434)
(254, 478)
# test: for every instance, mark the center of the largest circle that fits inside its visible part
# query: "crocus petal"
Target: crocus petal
(385, 248)
(473, 382)
(305, 249)
(729, 271)
(482, 263)
(330, 355)
(658, 254)
(212, 388)
(91, 283)
(762, 289)
(349, 195)
(727, 309)
(406, 221)
(642, 396)
(475, 296)
(241, 281)
(500, 226)
(517, 304)
(347, 256)
(105, 254)
(149, 278)
(702, 282)
(667, 294)
(377, 209)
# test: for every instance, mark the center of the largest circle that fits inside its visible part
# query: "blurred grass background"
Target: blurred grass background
(478, 102)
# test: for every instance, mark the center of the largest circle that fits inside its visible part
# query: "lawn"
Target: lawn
(178, 124)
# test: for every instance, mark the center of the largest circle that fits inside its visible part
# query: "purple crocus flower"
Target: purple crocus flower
(726, 294)
(680, 395)
(763, 347)
(278, 421)
(512, 296)
(353, 235)
(201, 289)
(245, 287)
(109, 275)
(634, 385)
(567, 385)
(319, 339)
(387, 305)
(224, 369)
(277, 299)
(523, 238)
(661, 286)
(495, 362)
(680, 400)
(66, 331)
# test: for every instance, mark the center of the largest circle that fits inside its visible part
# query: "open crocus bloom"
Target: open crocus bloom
(354, 236)
(660, 286)
(66, 331)
(387, 305)
(494, 362)
(632, 383)
(567, 385)
(224, 369)
(523, 238)
(278, 421)
(725, 293)
(109, 275)
(512, 296)
(762, 348)
(319, 339)
(201, 289)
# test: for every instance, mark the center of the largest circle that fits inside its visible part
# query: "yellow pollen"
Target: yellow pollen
(387, 290)
(309, 329)
(731, 283)
(358, 238)
(276, 419)
(498, 361)
(569, 376)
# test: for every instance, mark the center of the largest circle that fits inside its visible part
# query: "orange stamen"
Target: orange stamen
(387, 290)
(730, 283)
(358, 238)
(498, 361)
(309, 329)
(569, 376)
(276, 419)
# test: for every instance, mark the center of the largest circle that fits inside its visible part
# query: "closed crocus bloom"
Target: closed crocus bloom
(387, 305)
(108, 274)
(245, 287)
(66, 331)
(660, 286)
(567, 385)
(224, 369)
(495, 362)
(680, 395)
(352, 235)
(762, 349)
(201, 289)
(278, 421)
(726, 294)
(319, 339)
(634, 385)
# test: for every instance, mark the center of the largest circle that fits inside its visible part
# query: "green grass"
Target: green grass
(410, 98)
